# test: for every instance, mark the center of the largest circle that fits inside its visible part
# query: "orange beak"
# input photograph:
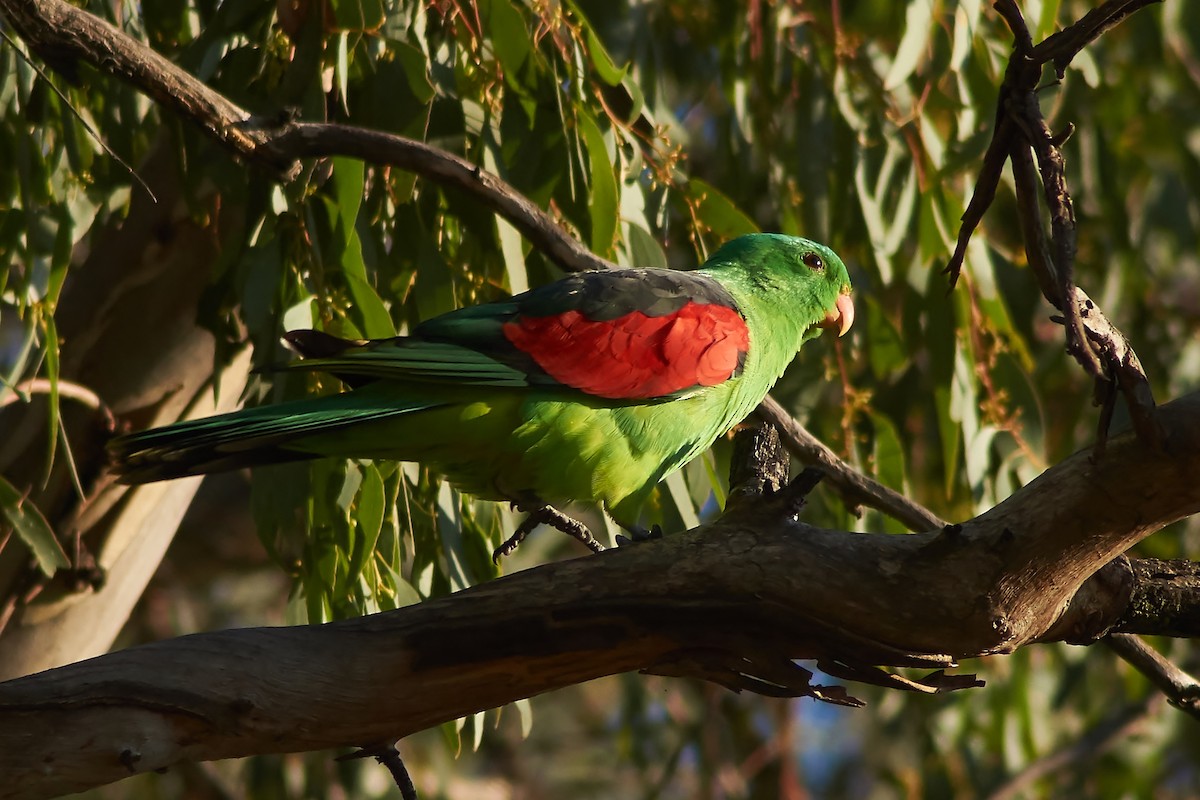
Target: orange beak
(842, 316)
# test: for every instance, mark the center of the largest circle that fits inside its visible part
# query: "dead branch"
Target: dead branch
(1098, 346)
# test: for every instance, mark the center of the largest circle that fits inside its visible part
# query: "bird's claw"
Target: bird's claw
(638, 535)
(552, 517)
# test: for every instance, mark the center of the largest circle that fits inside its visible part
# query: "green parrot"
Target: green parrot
(592, 388)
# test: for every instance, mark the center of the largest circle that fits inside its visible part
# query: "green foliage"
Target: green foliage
(29, 524)
(654, 131)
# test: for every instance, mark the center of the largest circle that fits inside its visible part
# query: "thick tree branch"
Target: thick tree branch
(1165, 600)
(734, 602)
(311, 140)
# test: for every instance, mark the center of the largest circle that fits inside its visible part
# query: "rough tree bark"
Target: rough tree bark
(733, 602)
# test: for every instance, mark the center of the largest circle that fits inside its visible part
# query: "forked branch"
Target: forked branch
(1099, 347)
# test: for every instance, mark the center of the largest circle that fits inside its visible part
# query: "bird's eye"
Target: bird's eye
(813, 261)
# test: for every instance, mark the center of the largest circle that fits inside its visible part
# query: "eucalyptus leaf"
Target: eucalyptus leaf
(602, 201)
(33, 529)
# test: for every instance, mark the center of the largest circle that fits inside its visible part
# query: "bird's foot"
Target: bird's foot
(544, 513)
(638, 534)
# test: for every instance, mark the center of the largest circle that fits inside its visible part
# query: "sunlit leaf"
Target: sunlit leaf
(917, 31)
(603, 196)
(678, 491)
(718, 212)
(50, 366)
(509, 35)
(369, 511)
(525, 710)
(609, 72)
(375, 323)
(644, 251)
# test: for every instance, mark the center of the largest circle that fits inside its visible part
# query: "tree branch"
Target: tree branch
(1063, 46)
(60, 31)
(58, 27)
(1099, 347)
(1180, 688)
(312, 140)
(1165, 600)
(734, 602)
(854, 486)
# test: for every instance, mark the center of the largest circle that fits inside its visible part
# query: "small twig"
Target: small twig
(1091, 340)
(1062, 223)
(750, 667)
(935, 682)
(1180, 688)
(794, 496)
(86, 125)
(391, 759)
(1123, 367)
(68, 389)
(854, 486)
(1018, 103)
(982, 197)
(71, 391)
(1037, 249)
(1063, 46)
(1011, 13)
(7, 609)
(389, 756)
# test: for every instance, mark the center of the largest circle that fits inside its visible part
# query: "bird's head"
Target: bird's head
(796, 276)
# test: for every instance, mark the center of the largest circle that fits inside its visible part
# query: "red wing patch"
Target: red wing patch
(636, 357)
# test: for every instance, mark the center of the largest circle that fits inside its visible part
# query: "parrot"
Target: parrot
(591, 388)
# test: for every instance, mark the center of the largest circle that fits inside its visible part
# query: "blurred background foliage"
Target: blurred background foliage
(653, 131)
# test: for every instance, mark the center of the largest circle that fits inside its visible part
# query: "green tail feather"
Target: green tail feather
(252, 437)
